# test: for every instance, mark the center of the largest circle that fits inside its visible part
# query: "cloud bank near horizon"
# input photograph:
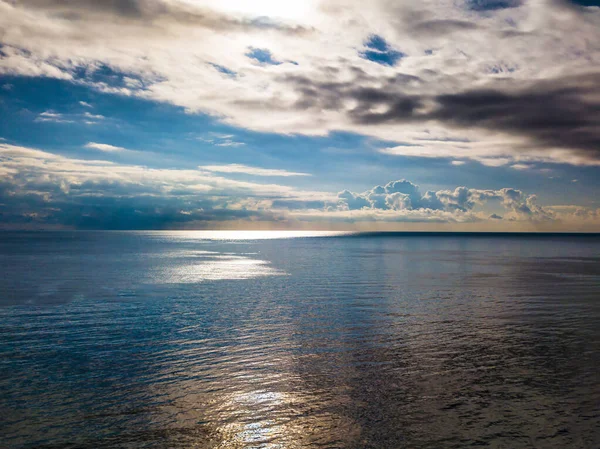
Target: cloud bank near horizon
(41, 189)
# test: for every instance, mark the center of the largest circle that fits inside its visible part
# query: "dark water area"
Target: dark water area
(224, 340)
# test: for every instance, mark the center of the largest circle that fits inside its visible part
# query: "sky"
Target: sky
(479, 115)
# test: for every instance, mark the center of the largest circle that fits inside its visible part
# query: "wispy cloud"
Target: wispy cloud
(53, 117)
(105, 147)
(57, 117)
(93, 116)
(229, 143)
(92, 119)
(256, 171)
(221, 140)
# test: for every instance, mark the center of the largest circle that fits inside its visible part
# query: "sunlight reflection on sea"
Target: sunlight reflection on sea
(246, 340)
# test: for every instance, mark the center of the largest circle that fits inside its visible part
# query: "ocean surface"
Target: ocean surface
(298, 340)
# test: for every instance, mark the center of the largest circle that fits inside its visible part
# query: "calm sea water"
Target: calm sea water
(225, 340)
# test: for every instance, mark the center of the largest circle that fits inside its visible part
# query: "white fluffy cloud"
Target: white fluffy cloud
(493, 82)
(45, 189)
(459, 204)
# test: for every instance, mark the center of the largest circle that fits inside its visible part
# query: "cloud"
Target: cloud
(353, 201)
(56, 117)
(229, 143)
(45, 189)
(85, 104)
(404, 196)
(156, 13)
(557, 113)
(42, 189)
(104, 147)
(256, 171)
(552, 115)
(93, 116)
(515, 81)
(221, 140)
(52, 117)
(373, 217)
(443, 27)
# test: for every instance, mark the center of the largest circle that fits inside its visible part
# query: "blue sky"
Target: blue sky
(253, 127)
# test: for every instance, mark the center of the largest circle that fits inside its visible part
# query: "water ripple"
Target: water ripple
(169, 340)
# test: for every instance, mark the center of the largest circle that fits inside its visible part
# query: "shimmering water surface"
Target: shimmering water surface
(263, 340)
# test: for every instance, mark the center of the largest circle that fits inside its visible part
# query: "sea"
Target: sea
(230, 339)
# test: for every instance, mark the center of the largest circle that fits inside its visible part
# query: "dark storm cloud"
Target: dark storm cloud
(155, 12)
(555, 113)
(562, 113)
(400, 107)
(331, 95)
